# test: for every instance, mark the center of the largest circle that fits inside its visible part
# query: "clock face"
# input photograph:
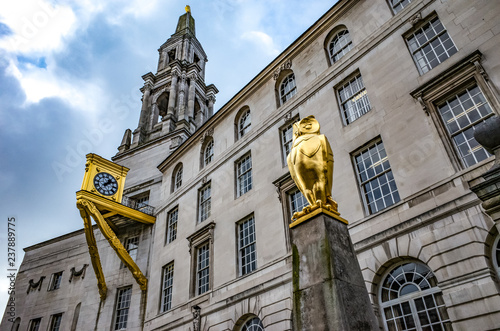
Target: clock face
(105, 183)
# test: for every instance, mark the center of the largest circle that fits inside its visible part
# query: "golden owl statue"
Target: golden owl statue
(310, 162)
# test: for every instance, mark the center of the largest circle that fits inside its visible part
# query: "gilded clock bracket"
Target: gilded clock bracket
(115, 243)
(91, 243)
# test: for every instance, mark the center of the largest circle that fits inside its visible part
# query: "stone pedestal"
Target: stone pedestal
(329, 292)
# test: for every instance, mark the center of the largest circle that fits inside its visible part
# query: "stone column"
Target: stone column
(143, 119)
(191, 95)
(211, 101)
(329, 292)
(154, 115)
(181, 102)
(172, 95)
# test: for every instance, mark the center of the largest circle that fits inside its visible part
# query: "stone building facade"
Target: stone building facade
(397, 86)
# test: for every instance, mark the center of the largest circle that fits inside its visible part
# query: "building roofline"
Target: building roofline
(56, 239)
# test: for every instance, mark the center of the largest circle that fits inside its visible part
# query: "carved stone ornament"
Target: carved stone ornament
(284, 66)
(424, 106)
(79, 273)
(196, 318)
(480, 70)
(208, 133)
(415, 19)
(35, 286)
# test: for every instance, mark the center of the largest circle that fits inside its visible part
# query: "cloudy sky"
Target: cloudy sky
(67, 65)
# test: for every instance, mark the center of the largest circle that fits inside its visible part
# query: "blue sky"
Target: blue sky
(69, 67)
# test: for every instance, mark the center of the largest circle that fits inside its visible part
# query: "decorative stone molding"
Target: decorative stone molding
(284, 66)
(480, 70)
(415, 19)
(424, 106)
(208, 133)
(202, 235)
(35, 286)
(79, 273)
(176, 142)
(196, 318)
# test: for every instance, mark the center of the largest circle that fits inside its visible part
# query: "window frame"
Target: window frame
(361, 93)
(465, 72)
(241, 250)
(208, 146)
(167, 288)
(288, 124)
(419, 27)
(240, 177)
(177, 176)
(201, 218)
(240, 132)
(495, 249)
(171, 230)
(291, 92)
(196, 240)
(402, 7)
(337, 31)
(53, 321)
(55, 283)
(433, 290)
(32, 326)
(117, 308)
(126, 242)
(372, 144)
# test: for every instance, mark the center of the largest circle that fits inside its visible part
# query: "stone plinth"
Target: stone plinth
(328, 288)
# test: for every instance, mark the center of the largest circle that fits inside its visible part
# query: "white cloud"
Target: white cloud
(262, 40)
(36, 26)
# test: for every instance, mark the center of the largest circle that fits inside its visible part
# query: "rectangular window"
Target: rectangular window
(55, 322)
(132, 245)
(430, 45)
(375, 178)
(55, 281)
(244, 175)
(247, 257)
(122, 306)
(203, 268)
(205, 201)
(460, 115)
(353, 99)
(172, 217)
(297, 201)
(286, 136)
(35, 324)
(398, 5)
(166, 291)
(142, 202)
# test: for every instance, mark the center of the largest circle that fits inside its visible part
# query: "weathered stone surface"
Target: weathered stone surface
(328, 288)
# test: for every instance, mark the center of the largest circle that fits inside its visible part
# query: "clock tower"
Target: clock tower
(176, 101)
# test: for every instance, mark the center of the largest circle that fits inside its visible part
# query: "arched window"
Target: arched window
(16, 324)
(287, 88)
(340, 44)
(253, 324)
(208, 152)
(496, 255)
(411, 300)
(177, 177)
(244, 122)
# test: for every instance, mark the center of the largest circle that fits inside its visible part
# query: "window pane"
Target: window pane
(122, 307)
(461, 114)
(246, 244)
(167, 284)
(430, 45)
(354, 100)
(375, 176)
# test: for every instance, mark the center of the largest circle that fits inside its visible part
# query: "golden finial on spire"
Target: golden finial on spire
(188, 9)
